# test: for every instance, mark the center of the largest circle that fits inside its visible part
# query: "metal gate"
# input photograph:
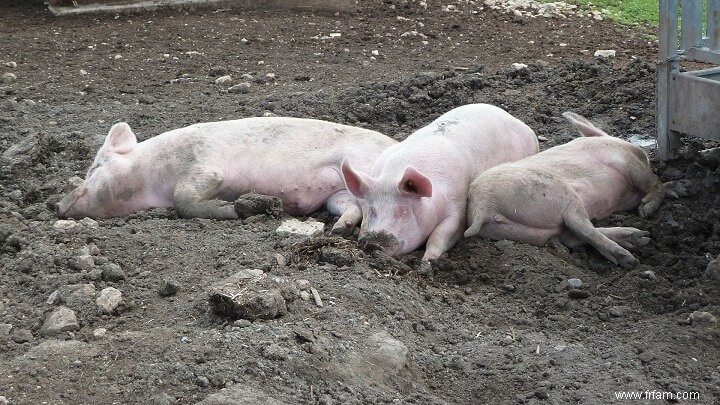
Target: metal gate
(688, 102)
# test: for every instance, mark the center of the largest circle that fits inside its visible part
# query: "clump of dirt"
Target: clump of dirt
(500, 322)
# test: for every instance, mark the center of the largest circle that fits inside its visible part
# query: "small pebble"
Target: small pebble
(241, 88)
(702, 318)
(575, 283)
(648, 275)
(223, 79)
(242, 323)
(170, 287)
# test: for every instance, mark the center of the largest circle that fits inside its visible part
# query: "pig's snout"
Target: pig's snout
(372, 241)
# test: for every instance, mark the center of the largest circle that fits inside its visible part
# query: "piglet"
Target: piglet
(200, 169)
(557, 192)
(416, 190)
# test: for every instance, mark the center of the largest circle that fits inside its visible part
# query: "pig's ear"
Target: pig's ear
(416, 183)
(586, 127)
(356, 182)
(120, 139)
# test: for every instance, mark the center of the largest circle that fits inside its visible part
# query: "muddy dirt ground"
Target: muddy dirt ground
(496, 323)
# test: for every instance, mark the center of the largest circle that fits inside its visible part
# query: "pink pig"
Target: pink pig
(558, 191)
(417, 189)
(201, 168)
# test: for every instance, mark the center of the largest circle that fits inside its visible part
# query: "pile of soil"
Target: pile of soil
(130, 310)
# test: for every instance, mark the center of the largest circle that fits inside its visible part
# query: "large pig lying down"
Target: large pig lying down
(558, 191)
(200, 168)
(417, 189)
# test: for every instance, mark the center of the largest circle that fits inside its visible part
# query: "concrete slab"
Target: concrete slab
(73, 7)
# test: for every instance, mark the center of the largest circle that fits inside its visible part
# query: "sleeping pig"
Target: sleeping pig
(201, 168)
(557, 192)
(416, 191)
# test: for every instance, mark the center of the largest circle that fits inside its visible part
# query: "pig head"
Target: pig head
(110, 187)
(416, 191)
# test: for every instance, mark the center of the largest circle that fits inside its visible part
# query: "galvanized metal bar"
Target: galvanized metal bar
(692, 23)
(712, 24)
(668, 141)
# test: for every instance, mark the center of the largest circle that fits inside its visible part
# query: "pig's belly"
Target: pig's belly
(301, 192)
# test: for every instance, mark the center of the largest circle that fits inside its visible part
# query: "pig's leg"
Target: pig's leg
(644, 179)
(576, 219)
(626, 237)
(443, 237)
(345, 205)
(193, 197)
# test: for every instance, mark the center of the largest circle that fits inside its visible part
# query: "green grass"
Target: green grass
(630, 12)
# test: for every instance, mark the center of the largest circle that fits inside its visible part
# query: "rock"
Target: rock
(84, 262)
(702, 318)
(170, 287)
(224, 79)
(240, 88)
(3, 400)
(109, 300)
(309, 228)
(60, 320)
(202, 381)
(72, 295)
(616, 311)
(242, 323)
(270, 76)
(145, 99)
(11, 65)
(64, 224)
(95, 274)
(21, 335)
(251, 204)
(5, 329)
(89, 223)
(112, 272)
(648, 275)
(713, 269)
(8, 77)
(646, 357)
(605, 53)
(575, 283)
(518, 66)
(99, 333)
(541, 393)
(389, 353)
(248, 294)
(161, 399)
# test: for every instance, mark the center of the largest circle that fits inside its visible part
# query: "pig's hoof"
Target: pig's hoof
(628, 262)
(628, 237)
(343, 228)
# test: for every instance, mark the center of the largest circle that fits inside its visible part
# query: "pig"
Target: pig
(556, 194)
(201, 168)
(416, 191)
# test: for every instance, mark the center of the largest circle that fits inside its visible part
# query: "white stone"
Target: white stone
(60, 320)
(519, 66)
(11, 65)
(64, 224)
(89, 223)
(296, 227)
(605, 53)
(109, 300)
(375, 52)
(223, 79)
(8, 77)
(99, 333)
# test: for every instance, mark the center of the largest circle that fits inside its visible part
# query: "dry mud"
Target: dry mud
(498, 321)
